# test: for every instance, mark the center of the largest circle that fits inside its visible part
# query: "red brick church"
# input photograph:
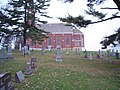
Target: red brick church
(60, 34)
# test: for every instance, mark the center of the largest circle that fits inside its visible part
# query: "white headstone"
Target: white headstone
(90, 56)
(59, 52)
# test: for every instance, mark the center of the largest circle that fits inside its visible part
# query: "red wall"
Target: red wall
(77, 37)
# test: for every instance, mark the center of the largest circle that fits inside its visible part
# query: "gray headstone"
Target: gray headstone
(85, 54)
(19, 77)
(59, 52)
(90, 56)
(20, 47)
(25, 50)
(108, 53)
(42, 51)
(113, 53)
(28, 69)
(117, 54)
(9, 52)
(3, 55)
(100, 54)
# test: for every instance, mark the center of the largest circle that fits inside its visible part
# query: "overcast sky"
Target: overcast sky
(93, 33)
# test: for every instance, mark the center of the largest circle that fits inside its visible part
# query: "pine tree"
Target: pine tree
(80, 20)
(24, 17)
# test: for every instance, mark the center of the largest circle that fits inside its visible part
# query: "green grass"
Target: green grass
(74, 73)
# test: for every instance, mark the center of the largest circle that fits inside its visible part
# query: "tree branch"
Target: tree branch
(109, 8)
(105, 19)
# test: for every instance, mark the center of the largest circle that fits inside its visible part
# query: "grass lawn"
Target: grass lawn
(74, 73)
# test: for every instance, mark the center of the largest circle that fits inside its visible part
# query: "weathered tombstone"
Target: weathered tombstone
(100, 54)
(26, 50)
(33, 59)
(49, 48)
(59, 57)
(19, 77)
(90, 56)
(9, 54)
(6, 81)
(3, 55)
(42, 51)
(66, 52)
(32, 63)
(85, 54)
(28, 69)
(108, 53)
(113, 52)
(117, 54)
(20, 47)
(76, 51)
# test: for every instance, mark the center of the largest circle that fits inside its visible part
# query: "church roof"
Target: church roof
(59, 28)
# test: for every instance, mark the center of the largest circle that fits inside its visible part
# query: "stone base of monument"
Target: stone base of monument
(6, 82)
(59, 59)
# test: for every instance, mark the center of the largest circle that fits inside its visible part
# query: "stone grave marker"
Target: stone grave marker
(117, 54)
(32, 63)
(90, 57)
(26, 50)
(19, 77)
(85, 54)
(20, 47)
(108, 53)
(9, 54)
(113, 52)
(28, 69)
(59, 56)
(42, 51)
(3, 55)
(66, 52)
(100, 54)
(6, 81)
(49, 48)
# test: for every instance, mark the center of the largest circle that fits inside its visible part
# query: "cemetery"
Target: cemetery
(56, 71)
(37, 54)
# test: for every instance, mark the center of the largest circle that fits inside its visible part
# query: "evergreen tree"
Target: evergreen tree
(24, 18)
(80, 21)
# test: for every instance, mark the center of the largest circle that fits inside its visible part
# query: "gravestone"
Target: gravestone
(20, 47)
(59, 52)
(9, 54)
(49, 48)
(6, 81)
(113, 52)
(33, 59)
(66, 52)
(3, 55)
(108, 53)
(85, 54)
(32, 63)
(90, 56)
(100, 54)
(26, 50)
(19, 77)
(117, 54)
(42, 51)
(28, 69)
